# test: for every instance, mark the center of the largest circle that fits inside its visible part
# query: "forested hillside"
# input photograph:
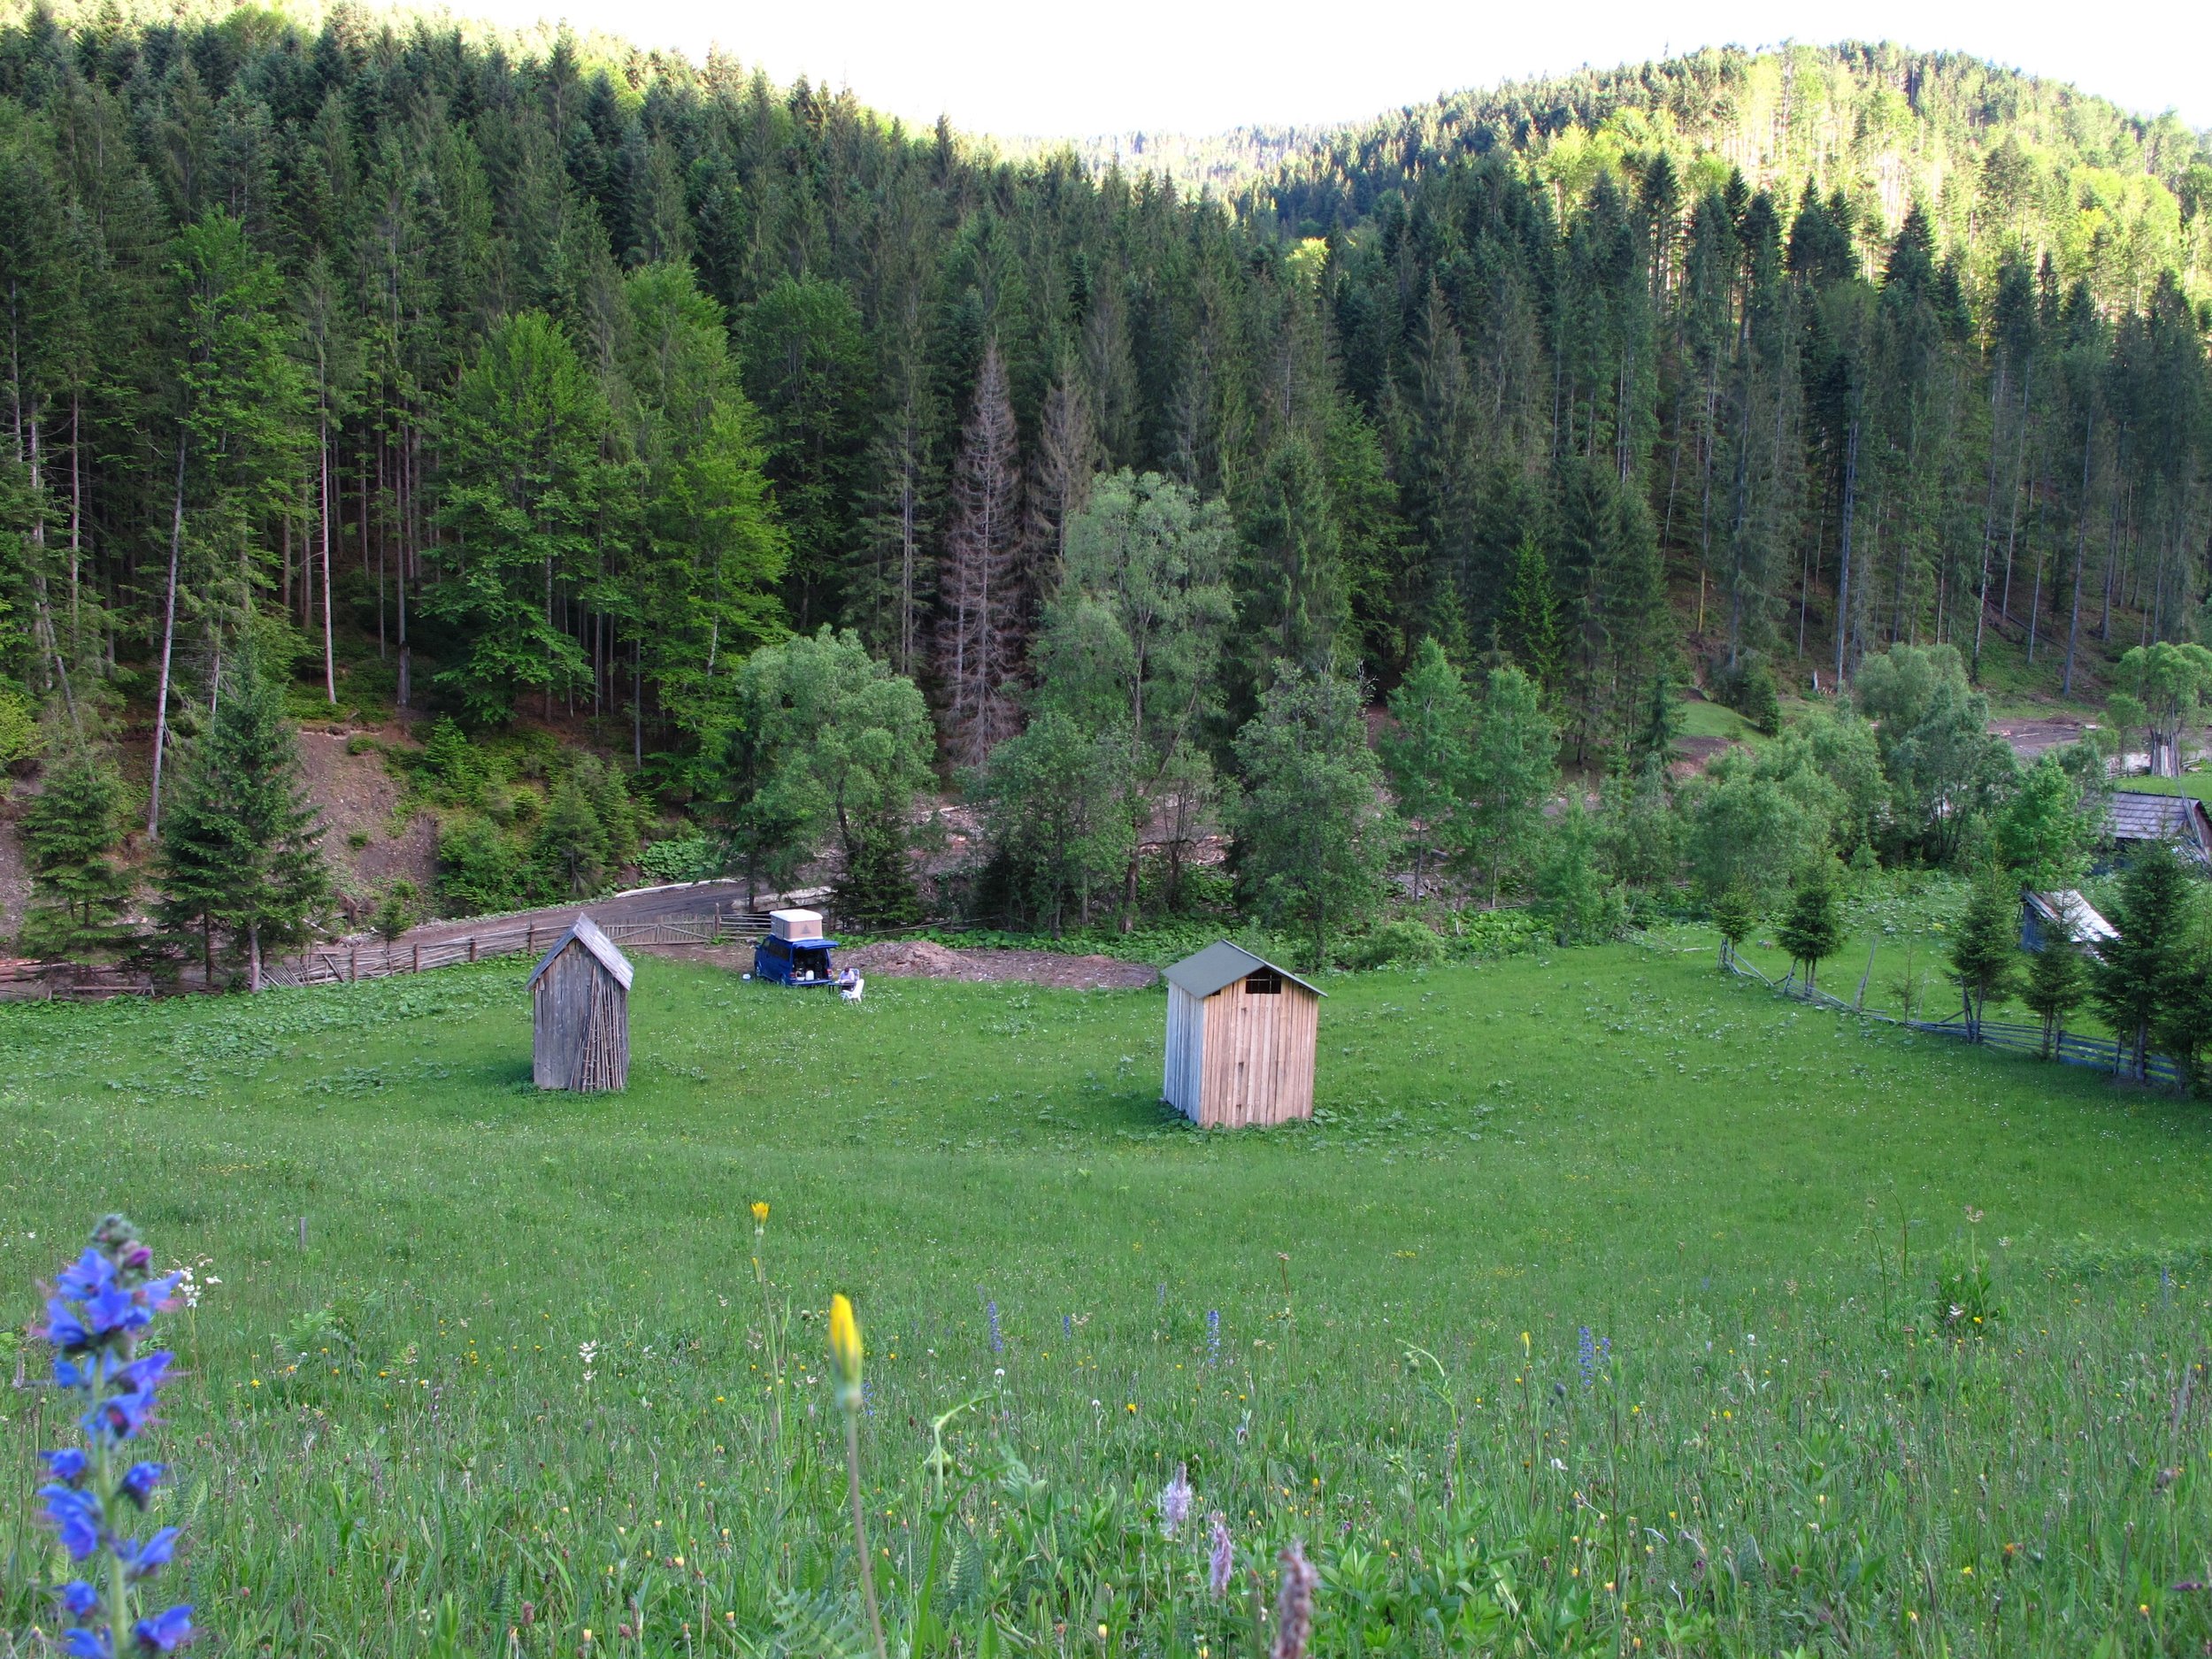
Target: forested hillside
(502, 384)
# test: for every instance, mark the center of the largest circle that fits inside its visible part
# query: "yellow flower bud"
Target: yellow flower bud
(844, 1340)
(760, 1212)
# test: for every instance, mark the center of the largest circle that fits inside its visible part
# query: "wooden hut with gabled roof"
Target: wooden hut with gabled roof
(2137, 815)
(579, 1007)
(1241, 1037)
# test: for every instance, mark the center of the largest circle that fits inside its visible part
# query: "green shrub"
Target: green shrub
(479, 870)
(1403, 942)
(687, 857)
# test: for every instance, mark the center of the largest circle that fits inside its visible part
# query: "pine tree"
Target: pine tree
(71, 836)
(1984, 946)
(1528, 619)
(1735, 913)
(240, 844)
(2056, 982)
(979, 647)
(1813, 929)
(2142, 971)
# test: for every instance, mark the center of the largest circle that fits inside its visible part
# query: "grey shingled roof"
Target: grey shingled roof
(586, 932)
(2140, 817)
(1222, 964)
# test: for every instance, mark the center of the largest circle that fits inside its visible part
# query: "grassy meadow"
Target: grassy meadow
(515, 1379)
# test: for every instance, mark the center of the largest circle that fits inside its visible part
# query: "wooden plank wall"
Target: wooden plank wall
(580, 1021)
(1182, 1084)
(1258, 1056)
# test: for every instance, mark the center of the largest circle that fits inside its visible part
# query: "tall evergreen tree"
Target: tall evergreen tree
(241, 845)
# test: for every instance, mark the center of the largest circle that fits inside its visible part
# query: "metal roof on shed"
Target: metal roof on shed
(2088, 927)
(1220, 966)
(586, 932)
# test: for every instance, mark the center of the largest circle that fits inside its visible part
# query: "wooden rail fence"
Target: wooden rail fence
(2107, 1054)
(375, 959)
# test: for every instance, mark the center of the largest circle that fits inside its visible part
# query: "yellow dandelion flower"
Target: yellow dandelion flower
(760, 1212)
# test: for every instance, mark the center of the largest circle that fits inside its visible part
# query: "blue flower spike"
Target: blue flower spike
(101, 1307)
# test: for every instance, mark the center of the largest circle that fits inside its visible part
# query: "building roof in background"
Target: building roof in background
(2139, 816)
(1221, 964)
(584, 931)
(2089, 927)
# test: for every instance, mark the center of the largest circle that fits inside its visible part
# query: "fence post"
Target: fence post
(529, 938)
(472, 947)
(353, 964)
(418, 958)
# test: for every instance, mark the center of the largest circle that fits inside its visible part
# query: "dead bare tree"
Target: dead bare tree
(979, 644)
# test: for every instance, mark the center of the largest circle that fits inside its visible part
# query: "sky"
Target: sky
(1021, 67)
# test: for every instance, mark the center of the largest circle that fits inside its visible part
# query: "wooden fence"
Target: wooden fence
(2107, 1054)
(375, 959)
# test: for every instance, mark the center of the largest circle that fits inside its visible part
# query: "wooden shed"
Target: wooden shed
(580, 1005)
(1240, 1040)
(2063, 916)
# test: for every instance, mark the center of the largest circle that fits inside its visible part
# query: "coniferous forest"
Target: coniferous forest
(553, 383)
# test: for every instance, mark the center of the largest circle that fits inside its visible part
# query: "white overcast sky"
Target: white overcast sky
(1037, 67)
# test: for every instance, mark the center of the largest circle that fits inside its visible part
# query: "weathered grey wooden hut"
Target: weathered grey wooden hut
(2137, 815)
(580, 1004)
(2063, 916)
(1241, 1034)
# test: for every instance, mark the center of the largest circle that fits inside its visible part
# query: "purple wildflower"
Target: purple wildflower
(80, 1598)
(167, 1631)
(75, 1518)
(101, 1303)
(1221, 1561)
(1586, 1356)
(998, 1341)
(1213, 1336)
(143, 1560)
(140, 1480)
(1175, 1499)
(1294, 1602)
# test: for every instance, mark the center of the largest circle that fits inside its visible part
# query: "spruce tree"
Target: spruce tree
(1984, 950)
(2142, 971)
(2056, 984)
(241, 847)
(1528, 621)
(1512, 770)
(71, 835)
(1735, 913)
(1813, 930)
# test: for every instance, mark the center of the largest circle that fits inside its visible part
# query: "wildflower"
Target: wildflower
(1222, 1560)
(1175, 1500)
(1586, 1356)
(102, 1303)
(990, 1311)
(1294, 1602)
(844, 1342)
(760, 1213)
(167, 1631)
(1213, 1336)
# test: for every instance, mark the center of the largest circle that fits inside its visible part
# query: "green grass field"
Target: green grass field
(388, 1443)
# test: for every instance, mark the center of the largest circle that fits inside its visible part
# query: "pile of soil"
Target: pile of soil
(925, 958)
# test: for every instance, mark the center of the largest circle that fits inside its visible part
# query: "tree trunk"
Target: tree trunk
(330, 659)
(168, 647)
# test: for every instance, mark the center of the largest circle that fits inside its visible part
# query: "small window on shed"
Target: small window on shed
(1264, 982)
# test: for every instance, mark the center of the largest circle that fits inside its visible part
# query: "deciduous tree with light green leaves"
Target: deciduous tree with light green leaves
(530, 492)
(1314, 840)
(1133, 643)
(1512, 771)
(1425, 754)
(2168, 681)
(835, 746)
(2044, 835)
